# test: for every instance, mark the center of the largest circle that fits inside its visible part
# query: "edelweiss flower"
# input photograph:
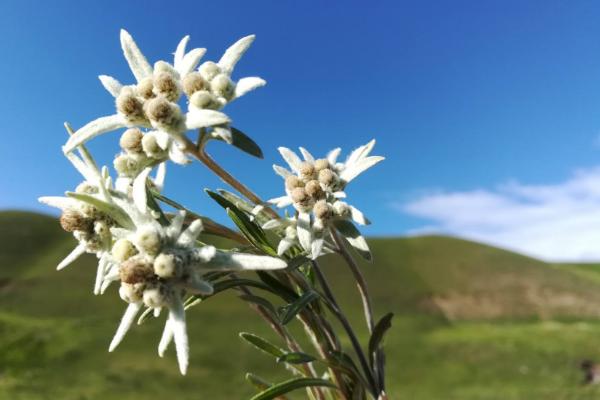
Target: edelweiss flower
(81, 215)
(153, 101)
(157, 265)
(315, 186)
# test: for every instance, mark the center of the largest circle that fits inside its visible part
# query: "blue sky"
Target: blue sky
(463, 97)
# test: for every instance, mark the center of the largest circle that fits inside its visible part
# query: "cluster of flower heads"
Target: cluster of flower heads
(315, 187)
(152, 108)
(157, 260)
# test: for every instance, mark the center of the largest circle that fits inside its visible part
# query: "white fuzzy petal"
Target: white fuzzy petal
(304, 230)
(307, 156)
(339, 195)
(102, 264)
(188, 236)
(177, 155)
(73, 255)
(82, 169)
(159, 179)
(272, 224)
(284, 245)
(126, 322)
(284, 173)
(333, 155)
(112, 85)
(177, 323)
(224, 261)
(291, 158)
(359, 217)
(93, 129)
(136, 60)
(180, 51)
(174, 228)
(165, 339)
(233, 54)
(190, 61)
(139, 190)
(281, 202)
(248, 84)
(59, 202)
(357, 168)
(196, 118)
(316, 247)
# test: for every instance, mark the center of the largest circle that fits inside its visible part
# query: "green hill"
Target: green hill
(473, 322)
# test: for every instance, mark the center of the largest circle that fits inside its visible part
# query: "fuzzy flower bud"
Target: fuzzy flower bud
(209, 70)
(322, 210)
(167, 266)
(327, 177)
(136, 270)
(222, 86)
(151, 147)
(166, 85)
(307, 170)
(314, 190)
(149, 240)
(299, 196)
(130, 106)
(72, 221)
(131, 293)
(146, 88)
(342, 209)
(125, 165)
(204, 100)
(292, 182)
(131, 140)
(157, 296)
(321, 164)
(122, 250)
(162, 111)
(193, 82)
(291, 232)
(86, 188)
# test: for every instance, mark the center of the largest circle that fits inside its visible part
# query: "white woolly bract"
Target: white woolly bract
(126, 322)
(136, 60)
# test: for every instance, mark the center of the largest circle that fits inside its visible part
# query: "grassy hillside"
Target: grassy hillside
(473, 322)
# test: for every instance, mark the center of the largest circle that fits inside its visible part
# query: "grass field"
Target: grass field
(472, 322)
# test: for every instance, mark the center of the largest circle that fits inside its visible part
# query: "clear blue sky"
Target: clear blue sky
(460, 95)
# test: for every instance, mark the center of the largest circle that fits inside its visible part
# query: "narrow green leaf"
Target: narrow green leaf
(291, 310)
(243, 142)
(283, 291)
(261, 217)
(379, 331)
(112, 210)
(262, 344)
(296, 358)
(251, 231)
(260, 301)
(153, 205)
(257, 381)
(292, 384)
(297, 262)
(353, 236)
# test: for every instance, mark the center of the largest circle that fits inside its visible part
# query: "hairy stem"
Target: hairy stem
(199, 152)
(292, 344)
(361, 283)
(334, 307)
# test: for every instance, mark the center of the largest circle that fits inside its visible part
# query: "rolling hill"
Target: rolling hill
(473, 322)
